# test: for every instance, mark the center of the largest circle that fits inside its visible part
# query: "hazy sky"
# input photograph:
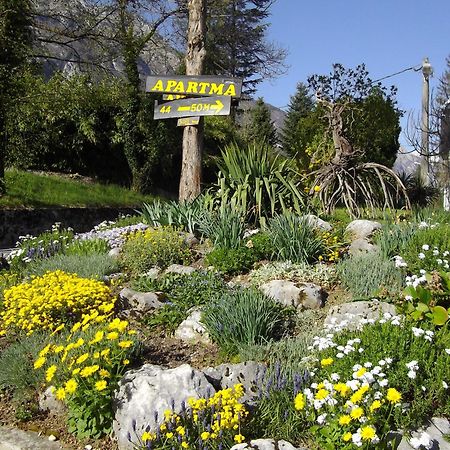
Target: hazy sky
(387, 35)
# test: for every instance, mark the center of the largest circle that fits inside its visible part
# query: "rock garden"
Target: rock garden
(188, 328)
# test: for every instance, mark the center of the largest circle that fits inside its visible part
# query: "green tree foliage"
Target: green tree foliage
(371, 117)
(236, 42)
(76, 125)
(300, 107)
(15, 41)
(260, 127)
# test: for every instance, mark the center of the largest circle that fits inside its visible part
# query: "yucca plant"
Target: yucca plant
(258, 182)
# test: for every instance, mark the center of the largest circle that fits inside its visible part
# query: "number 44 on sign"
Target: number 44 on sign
(207, 106)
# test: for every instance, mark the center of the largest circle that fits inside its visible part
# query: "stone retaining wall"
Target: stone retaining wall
(18, 222)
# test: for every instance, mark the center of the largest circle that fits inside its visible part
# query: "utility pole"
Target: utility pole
(427, 70)
(191, 166)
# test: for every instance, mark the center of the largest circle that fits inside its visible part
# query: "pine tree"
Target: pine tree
(300, 105)
(260, 127)
(236, 42)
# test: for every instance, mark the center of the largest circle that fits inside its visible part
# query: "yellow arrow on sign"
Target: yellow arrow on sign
(184, 108)
(218, 106)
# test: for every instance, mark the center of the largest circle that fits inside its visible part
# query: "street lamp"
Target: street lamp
(427, 71)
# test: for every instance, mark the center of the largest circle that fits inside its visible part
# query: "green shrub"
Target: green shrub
(184, 291)
(16, 362)
(154, 247)
(231, 260)
(244, 317)
(225, 228)
(95, 265)
(87, 247)
(433, 237)
(261, 245)
(294, 239)
(392, 239)
(369, 274)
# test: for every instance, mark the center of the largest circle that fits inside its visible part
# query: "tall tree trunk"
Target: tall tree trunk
(193, 136)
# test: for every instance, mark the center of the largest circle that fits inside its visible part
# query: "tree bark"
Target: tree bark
(193, 136)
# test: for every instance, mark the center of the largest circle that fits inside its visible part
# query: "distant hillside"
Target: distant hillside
(91, 53)
(278, 116)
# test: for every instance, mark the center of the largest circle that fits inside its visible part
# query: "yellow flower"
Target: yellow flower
(393, 395)
(299, 401)
(357, 413)
(181, 431)
(317, 188)
(368, 433)
(81, 359)
(205, 435)
(101, 385)
(112, 336)
(375, 405)
(71, 386)
(345, 420)
(50, 373)
(125, 344)
(146, 436)
(76, 371)
(360, 372)
(45, 350)
(58, 349)
(185, 444)
(238, 438)
(322, 394)
(60, 394)
(89, 370)
(104, 373)
(347, 436)
(326, 362)
(169, 435)
(342, 388)
(39, 362)
(125, 362)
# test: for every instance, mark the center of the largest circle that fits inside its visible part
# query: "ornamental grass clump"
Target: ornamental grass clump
(206, 423)
(53, 299)
(84, 367)
(154, 247)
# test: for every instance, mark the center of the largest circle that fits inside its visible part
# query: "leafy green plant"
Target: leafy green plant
(434, 236)
(243, 317)
(84, 367)
(430, 301)
(184, 291)
(370, 274)
(393, 238)
(16, 362)
(94, 265)
(295, 239)
(154, 247)
(225, 228)
(257, 182)
(85, 247)
(231, 260)
(261, 245)
(187, 216)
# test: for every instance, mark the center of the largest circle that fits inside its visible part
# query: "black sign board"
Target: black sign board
(188, 107)
(199, 86)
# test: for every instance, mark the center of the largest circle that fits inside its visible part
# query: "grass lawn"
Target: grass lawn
(32, 190)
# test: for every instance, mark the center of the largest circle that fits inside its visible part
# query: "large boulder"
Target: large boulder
(249, 374)
(181, 270)
(192, 330)
(141, 302)
(317, 222)
(266, 444)
(298, 295)
(362, 229)
(351, 315)
(143, 395)
(360, 245)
